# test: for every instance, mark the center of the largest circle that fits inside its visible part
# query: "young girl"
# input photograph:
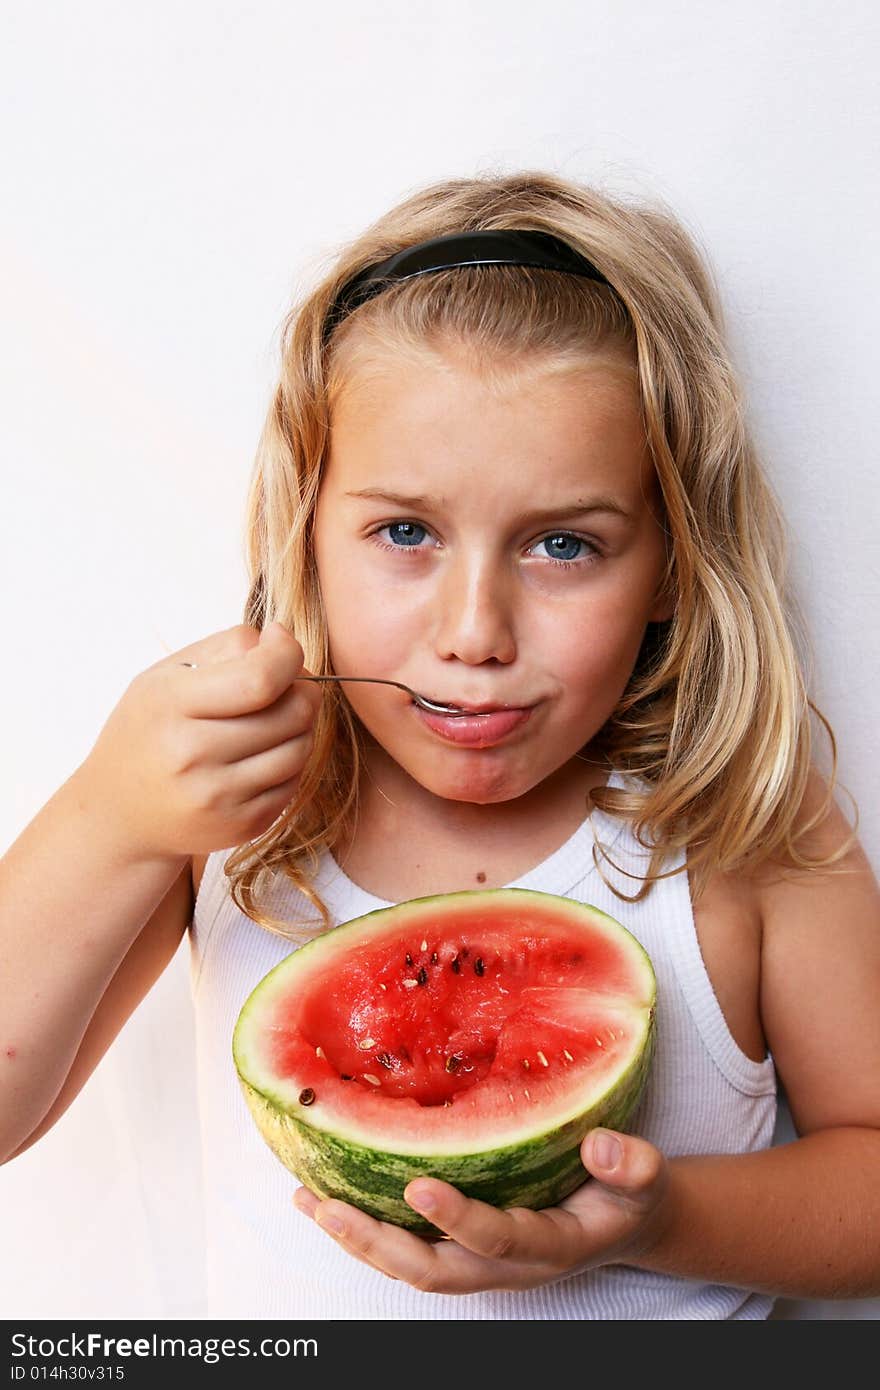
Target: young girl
(506, 467)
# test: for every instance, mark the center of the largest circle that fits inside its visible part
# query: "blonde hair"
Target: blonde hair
(715, 717)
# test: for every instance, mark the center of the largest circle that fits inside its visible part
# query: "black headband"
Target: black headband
(460, 249)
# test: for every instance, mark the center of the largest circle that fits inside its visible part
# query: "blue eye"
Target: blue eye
(406, 528)
(567, 540)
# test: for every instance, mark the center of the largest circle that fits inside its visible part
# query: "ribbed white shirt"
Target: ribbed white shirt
(266, 1260)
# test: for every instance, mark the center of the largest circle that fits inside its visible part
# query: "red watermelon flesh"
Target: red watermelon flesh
(446, 1025)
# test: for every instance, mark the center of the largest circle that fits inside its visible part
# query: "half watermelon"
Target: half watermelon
(474, 1037)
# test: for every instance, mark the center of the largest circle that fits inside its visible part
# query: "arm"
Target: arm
(800, 1221)
(86, 927)
(96, 893)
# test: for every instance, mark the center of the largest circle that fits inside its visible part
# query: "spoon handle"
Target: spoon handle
(374, 680)
(378, 680)
(422, 700)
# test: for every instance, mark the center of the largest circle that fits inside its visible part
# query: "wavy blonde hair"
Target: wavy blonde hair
(715, 717)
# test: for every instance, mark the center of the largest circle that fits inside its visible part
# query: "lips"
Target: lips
(476, 729)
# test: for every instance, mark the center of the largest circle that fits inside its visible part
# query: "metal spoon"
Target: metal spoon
(422, 700)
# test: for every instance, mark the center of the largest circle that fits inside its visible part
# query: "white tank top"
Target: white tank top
(266, 1260)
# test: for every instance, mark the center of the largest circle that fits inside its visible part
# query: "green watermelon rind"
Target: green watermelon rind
(539, 1172)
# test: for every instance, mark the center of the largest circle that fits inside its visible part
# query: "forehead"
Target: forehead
(435, 407)
(369, 372)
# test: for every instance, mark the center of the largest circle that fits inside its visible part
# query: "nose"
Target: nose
(475, 620)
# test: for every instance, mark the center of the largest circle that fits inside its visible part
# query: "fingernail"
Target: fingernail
(606, 1150)
(422, 1198)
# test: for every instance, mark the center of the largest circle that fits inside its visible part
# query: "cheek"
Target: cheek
(585, 642)
(371, 623)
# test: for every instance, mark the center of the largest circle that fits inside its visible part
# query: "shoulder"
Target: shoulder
(842, 883)
(821, 832)
(821, 828)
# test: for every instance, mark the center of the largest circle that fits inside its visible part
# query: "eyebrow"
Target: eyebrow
(590, 504)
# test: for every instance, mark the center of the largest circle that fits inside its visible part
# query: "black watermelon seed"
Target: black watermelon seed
(344, 1077)
(453, 1063)
(408, 958)
(384, 1060)
(456, 965)
(307, 1096)
(422, 976)
(479, 967)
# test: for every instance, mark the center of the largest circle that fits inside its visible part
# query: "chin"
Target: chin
(486, 788)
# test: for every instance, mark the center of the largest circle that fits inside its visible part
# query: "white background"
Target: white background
(171, 175)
